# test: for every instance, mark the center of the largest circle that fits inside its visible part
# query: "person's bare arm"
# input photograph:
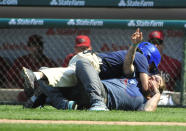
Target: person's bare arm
(152, 103)
(144, 81)
(128, 67)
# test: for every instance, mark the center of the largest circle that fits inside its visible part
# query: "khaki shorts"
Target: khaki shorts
(65, 76)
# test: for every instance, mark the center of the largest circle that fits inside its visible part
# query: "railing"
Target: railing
(98, 3)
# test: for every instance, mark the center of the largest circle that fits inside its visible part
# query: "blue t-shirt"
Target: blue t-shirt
(123, 94)
(112, 66)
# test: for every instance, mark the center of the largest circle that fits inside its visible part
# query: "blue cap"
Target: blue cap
(150, 52)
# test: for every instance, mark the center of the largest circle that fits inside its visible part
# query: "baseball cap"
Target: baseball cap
(157, 35)
(83, 40)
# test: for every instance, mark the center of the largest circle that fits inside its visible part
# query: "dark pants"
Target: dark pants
(53, 95)
(59, 97)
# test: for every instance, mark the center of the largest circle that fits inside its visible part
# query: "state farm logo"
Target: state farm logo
(145, 23)
(84, 22)
(26, 22)
(132, 3)
(67, 3)
(8, 2)
(132, 23)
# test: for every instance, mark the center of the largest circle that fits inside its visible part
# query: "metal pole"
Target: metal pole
(183, 80)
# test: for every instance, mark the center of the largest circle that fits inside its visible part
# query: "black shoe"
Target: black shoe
(29, 79)
(40, 99)
(28, 104)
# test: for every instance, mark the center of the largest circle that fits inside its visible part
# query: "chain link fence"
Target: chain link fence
(17, 50)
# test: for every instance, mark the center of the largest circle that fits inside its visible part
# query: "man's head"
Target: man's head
(35, 44)
(150, 52)
(156, 38)
(159, 81)
(155, 82)
(35, 40)
(82, 43)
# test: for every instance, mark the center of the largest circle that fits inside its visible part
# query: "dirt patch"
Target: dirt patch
(92, 122)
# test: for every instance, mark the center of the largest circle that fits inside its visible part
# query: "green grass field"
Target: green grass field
(58, 127)
(49, 113)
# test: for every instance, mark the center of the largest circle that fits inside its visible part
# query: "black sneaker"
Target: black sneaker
(38, 99)
(28, 104)
(29, 79)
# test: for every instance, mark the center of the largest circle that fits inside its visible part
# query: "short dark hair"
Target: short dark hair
(35, 40)
(156, 41)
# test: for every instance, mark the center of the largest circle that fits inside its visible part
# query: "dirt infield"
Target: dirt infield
(92, 122)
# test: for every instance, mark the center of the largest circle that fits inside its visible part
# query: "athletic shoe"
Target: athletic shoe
(99, 106)
(28, 104)
(38, 99)
(31, 105)
(29, 79)
(72, 105)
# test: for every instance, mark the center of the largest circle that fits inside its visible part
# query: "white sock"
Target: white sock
(38, 77)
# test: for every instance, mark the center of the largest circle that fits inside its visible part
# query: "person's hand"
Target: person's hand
(137, 37)
(153, 87)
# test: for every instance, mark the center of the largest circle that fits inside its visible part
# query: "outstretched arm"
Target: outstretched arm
(128, 67)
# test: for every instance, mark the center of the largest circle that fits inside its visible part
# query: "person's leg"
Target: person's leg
(54, 96)
(65, 76)
(38, 99)
(55, 77)
(60, 76)
(92, 84)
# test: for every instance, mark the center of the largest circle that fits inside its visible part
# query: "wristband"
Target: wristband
(135, 45)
